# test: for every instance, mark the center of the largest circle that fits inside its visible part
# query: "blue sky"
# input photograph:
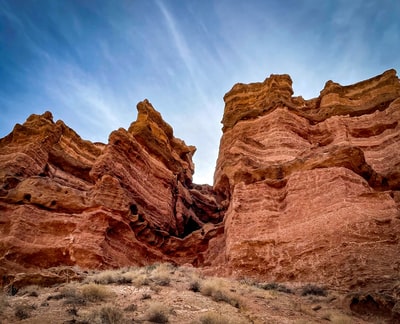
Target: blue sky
(89, 61)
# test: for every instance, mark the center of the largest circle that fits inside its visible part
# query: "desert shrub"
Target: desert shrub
(111, 315)
(156, 289)
(313, 290)
(71, 295)
(214, 288)
(55, 297)
(31, 291)
(23, 311)
(162, 280)
(105, 277)
(214, 318)
(149, 268)
(161, 275)
(145, 296)
(157, 313)
(141, 280)
(209, 286)
(131, 308)
(107, 315)
(194, 286)
(221, 295)
(274, 286)
(72, 311)
(124, 279)
(110, 277)
(75, 300)
(95, 292)
(129, 269)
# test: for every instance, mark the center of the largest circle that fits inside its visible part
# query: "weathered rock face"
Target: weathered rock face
(66, 201)
(312, 186)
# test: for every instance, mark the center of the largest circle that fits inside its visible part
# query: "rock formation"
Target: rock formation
(304, 190)
(66, 201)
(312, 185)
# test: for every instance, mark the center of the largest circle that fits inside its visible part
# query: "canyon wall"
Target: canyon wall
(312, 186)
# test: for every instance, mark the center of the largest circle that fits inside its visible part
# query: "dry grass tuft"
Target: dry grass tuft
(71, 294)
(216, 290)
(157, 313)
(95, 292)
(141, 280)
(161, 274)
(107, 277)
(145, 296)
(194, 285)
(106, 315)
(274, 286)
(131, 308)
(313, 290)
(23, 311)
(30, 291)
(214, 318)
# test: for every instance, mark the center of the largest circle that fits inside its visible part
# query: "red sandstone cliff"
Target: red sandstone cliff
(304, 190)
(312, 185)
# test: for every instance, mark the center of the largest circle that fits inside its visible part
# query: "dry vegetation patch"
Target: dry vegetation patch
(217, 289)
(214, 318)
(164, 293)
(157, 313)
(106, 315)
(95, 292)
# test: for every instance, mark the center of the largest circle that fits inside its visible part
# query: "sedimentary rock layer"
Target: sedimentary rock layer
(312, 185)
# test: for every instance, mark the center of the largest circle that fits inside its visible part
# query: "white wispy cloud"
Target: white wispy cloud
(83, 99)
(178, 38)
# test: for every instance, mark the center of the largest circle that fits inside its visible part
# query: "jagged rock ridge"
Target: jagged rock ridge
(66, 201)
(304, 190)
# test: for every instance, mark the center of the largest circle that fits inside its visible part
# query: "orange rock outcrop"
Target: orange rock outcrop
(304, 190)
